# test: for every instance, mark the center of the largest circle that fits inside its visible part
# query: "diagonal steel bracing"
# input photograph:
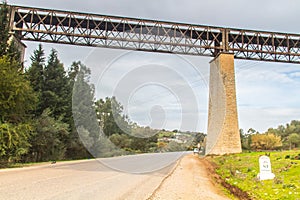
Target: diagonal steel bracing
(149, 35)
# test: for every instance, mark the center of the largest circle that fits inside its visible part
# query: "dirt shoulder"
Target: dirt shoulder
(190, 180)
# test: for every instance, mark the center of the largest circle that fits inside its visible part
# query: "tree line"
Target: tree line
(36, 121)
(284, 137)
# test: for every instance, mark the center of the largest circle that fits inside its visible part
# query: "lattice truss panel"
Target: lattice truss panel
(267, 46)
(114, 32)
(149, 35)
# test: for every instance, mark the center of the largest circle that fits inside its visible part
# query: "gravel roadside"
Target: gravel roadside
(190, 180)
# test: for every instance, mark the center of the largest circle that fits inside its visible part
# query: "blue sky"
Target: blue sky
(267, 93)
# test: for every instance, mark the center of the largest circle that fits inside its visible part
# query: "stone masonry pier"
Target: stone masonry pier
(223, 132)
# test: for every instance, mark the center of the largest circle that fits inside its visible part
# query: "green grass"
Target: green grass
(241, 170)
(20, 165)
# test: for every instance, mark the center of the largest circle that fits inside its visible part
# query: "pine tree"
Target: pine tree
(84, 112)
(35, 75)
(55, 88)
(75, 147)
(35, 72)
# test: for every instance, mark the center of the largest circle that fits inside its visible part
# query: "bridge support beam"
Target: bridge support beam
(223, 132)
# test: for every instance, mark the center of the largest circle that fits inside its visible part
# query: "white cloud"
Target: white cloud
(269, 117)
(295, 74)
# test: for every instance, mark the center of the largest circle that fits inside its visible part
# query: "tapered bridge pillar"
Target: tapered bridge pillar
(223, 132)
(18, 44)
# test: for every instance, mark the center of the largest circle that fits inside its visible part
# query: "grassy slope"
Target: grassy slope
(241, 170)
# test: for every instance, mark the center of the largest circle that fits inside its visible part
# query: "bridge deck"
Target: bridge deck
(150, 35)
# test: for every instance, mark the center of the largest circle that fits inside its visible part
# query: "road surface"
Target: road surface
(127, 177)
(141, 177)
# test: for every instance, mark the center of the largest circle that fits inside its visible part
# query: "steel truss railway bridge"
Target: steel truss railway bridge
(222, 43)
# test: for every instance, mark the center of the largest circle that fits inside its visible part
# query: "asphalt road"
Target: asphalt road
(126, 177)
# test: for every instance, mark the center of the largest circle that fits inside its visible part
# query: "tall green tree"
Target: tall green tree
(17, 99)
(55, 89)
(83, 109)
(72, 74)
(75, 147)
(35, 75)
(35, 71)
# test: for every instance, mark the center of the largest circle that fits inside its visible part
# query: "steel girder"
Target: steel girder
(150, 35)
